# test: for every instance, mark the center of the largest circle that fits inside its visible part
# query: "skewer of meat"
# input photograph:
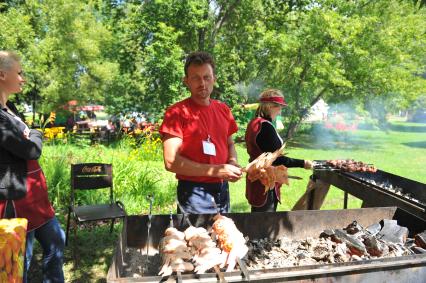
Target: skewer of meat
(202, 248)
(351, 165)
(261, 169)
(230, 239)
(205, 253)
(174, 253)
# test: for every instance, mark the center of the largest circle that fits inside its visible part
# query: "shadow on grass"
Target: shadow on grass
(416, 144)
(421, 128)
(87, 256)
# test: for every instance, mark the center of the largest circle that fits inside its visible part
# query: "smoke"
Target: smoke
(337, 129)
(250, 92)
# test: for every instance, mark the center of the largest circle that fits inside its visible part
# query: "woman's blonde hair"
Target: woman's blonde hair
(7, 58)
(264, 109)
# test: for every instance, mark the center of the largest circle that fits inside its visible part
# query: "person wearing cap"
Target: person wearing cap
(197, 142)
(261, 136)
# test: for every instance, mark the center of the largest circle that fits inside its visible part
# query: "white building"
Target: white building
(318, 112)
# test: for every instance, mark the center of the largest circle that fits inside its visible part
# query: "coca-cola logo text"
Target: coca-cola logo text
(93, 169)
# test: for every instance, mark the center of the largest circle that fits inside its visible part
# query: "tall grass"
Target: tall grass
(137, 172)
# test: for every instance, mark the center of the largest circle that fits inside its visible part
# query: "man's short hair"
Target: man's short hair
(199, 58)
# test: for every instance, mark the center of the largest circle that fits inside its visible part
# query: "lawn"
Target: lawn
(400, 150)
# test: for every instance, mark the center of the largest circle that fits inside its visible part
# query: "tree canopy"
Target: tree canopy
(129, 55)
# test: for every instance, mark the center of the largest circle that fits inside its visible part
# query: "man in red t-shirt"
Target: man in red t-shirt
(197, 141)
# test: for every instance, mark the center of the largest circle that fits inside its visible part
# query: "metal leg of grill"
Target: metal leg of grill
(345, 201)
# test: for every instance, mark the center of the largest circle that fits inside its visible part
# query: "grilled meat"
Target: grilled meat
(230, 239)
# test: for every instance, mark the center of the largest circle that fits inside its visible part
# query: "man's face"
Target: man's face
(200, 80)
(12, 79)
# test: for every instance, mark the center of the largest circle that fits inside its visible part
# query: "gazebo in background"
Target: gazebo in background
(73, 106)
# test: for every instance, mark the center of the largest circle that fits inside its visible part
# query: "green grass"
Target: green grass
(400, 150)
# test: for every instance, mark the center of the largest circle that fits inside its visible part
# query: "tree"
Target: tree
(63, 46)
(131, 53)
(340, 50)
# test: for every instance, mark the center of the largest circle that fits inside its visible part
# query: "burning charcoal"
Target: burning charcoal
(353, 228)
(374, 246)
(268, 246)
(397, 250)
(288, 246)
(355, 245)
(418, 250)
(320, 253)
(392, 232)
(327, 233)
(421, 239)
(373, 229)
(302, 255)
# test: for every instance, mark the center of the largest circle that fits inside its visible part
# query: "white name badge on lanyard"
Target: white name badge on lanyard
(209, 148)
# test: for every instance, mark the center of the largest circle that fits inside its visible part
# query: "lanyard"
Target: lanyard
(204, 125)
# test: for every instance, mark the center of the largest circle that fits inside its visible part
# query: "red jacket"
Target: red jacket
(255, 191)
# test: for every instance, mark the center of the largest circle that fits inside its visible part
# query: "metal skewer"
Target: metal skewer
(215, 205)
(171, 219)
(239, 261)
(185, 216)
(150, 198)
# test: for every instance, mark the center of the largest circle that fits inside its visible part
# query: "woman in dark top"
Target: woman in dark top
(20, 171)
(261, 136)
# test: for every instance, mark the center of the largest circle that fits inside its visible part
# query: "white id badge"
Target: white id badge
(209, 148)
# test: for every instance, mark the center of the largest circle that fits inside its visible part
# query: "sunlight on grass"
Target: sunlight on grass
(399, 150)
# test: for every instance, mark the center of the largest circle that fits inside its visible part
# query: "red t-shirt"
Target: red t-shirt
(193, 123)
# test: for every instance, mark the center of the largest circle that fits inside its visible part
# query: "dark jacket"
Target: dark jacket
(15, 150)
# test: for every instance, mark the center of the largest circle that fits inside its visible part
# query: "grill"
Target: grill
(293, 224)
(376, 189)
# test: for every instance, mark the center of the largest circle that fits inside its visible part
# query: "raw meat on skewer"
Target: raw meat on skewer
(261, 169)
(230, 239)
(174, 253)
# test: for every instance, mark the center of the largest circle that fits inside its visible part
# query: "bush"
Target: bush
(137, 169)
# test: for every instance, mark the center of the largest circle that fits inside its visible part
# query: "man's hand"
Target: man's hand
(229, 172)
(234, 161)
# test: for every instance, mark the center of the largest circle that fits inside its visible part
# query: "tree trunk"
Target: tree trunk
(201, 38)
(223, 16)
(296, 121)
(291, 130)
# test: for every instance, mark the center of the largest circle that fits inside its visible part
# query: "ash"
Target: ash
(393, 189)
(137, 265)
(265, 253)
(352, 243)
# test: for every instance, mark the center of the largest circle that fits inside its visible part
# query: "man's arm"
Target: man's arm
(232, 158)
(178, 164)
